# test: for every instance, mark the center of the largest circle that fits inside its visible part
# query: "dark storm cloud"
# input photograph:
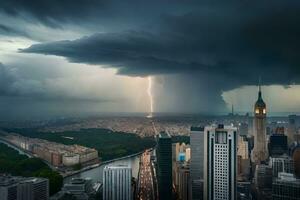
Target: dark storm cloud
(213, 45)
(239, 39)
(10, 31)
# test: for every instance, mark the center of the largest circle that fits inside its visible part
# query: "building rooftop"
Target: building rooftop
(197, 128)
(117, 167)
(164, 135)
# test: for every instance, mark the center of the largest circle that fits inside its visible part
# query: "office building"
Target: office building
(243, 169)
(21, 188)
(286, 187)
(278, 145)
(117, 182)
(184, 189)
(220, 158)
(197, 159)
(296, 159)
(79, 188)
(260, 151)
(164, 165)
(244, 190)
(292, 129)
(243, 129)
(282, 164)
(263, 181)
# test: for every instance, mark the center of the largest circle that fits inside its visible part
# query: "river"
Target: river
(96, 173)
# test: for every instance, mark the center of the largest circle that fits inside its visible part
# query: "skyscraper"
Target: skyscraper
(260, 151)
(197, 159)
(164, 166)
(220, 156)
(117, 182)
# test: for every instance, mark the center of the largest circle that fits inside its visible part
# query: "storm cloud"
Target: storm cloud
(240, 39)
(198, 48)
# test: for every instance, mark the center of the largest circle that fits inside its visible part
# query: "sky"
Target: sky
(83, 57)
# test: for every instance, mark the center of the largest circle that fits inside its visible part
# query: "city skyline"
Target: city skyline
(97, 57)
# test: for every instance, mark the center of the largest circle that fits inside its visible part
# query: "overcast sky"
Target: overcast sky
(65, 57)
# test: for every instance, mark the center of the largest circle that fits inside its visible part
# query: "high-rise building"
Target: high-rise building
(243, 159)
(286, 187)
(21, 188)
(263, 181)
(243, 129)
(278, 144)
(117, 182)
(282, 164)
(8, 188)
(197, 159)
(292, 129)
(164, 165)
(296, 159)
(184, 189)
(220, 158)
(260, 151)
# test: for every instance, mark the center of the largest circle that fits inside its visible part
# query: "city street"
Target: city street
(145, 185)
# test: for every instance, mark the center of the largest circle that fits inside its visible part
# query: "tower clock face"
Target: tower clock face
(256, 111)
(264, 111)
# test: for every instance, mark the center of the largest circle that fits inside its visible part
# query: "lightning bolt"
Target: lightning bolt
(149, 91)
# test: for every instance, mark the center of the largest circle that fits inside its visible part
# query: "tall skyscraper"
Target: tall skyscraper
(260, 151)
(164, 165)
(15, 188)
(197, 159)
(220, 158)
(117, 182)
(183, 182)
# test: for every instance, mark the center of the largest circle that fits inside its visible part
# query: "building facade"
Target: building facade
(286, 187)
(21, 188)
(197, 159)
(260, 150)
(164, 165)
(220, 158)
(117, 182)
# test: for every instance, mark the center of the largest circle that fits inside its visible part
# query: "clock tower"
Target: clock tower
(260, 150)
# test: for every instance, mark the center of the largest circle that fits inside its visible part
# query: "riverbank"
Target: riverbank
(104, 163)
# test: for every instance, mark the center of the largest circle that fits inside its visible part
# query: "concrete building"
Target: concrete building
(220, 156)
(282, 164)
(8, 188)
(117, 182)
(278, 145)
(286, 187)
(164, 165)
(184, 189)
(197, 159)
(243, 169)
(293, 128)
(260, 151)
(21, 188)
(263, 181)
(296, 159)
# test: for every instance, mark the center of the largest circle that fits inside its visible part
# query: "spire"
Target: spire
(232, 111)
(259, 87)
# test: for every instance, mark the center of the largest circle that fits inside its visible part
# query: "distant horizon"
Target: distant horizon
(143, 115)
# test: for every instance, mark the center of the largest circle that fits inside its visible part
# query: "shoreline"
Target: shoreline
(104, 163)
(72, 173)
